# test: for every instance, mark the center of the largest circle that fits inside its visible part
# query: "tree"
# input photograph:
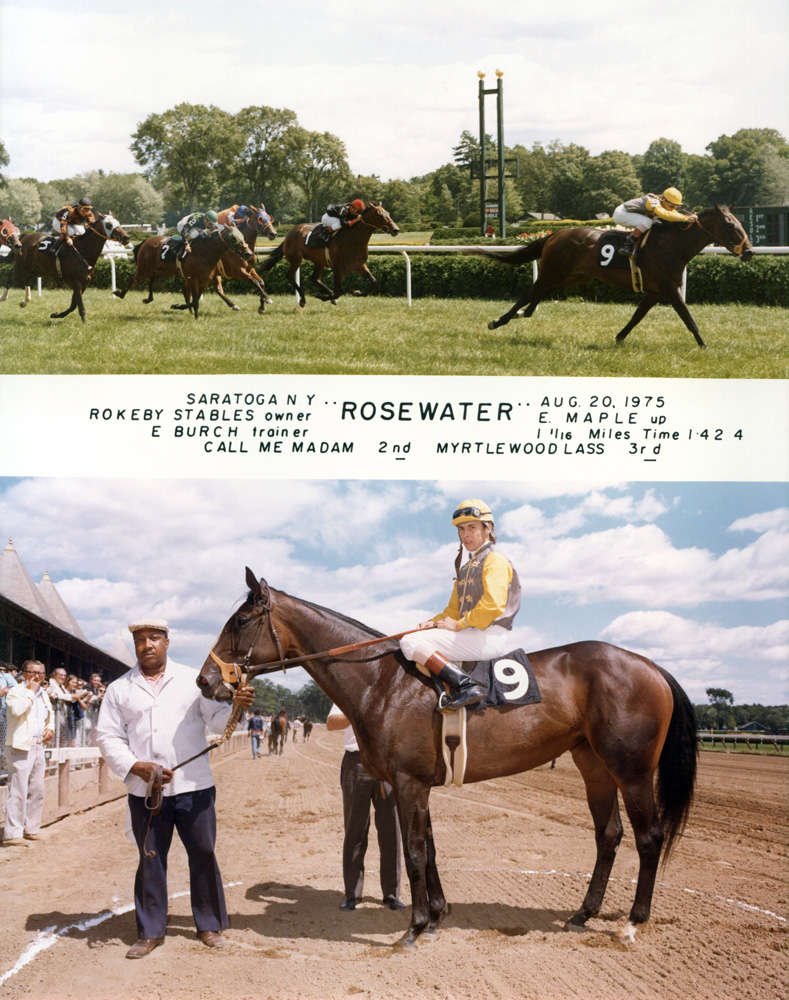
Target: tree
(721, 701)
(663, 165)
(130, 198)
(608, 180)
(402, 201)
(263, 162)
(568, 165)
(315, 703)
(192, 148)
(4, 161)
(745, 165)
(535, 173)
(20, 202)
(320, 168)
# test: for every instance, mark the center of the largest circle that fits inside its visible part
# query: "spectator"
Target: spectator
(30, 725)
(255, 730)
(7, 681)
(61, 699)
(94, 698)
(359, 791)
(76, 712)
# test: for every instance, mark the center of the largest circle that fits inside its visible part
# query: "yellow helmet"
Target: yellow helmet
(471, 510)
(673, 196)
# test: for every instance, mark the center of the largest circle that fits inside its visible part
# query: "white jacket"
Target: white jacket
(166, 727)
(20, 716)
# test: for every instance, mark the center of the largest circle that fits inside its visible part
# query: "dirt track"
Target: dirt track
(513, 855)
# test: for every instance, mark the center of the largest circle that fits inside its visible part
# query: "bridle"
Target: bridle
(735, 248)
(236, 673)
(236, 248)
(379, 229)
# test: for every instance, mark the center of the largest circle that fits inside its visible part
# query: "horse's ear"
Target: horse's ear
(252, 582)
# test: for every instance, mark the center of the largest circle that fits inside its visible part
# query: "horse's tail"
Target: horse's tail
(136, 250)
(273, 258)
(531, 251)
(676, 775)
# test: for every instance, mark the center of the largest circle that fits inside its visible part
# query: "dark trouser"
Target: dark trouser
(193, 815)
(359, 790)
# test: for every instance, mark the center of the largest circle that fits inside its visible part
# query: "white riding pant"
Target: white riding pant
(330, 221)
(468, 644)
(632, 219)
(189, 234)
(72, 230)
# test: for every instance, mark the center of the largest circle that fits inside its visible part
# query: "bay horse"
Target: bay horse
(570, 257)
(231, 266)
(346, 252)
(73, 265)
(628, 724)
(278, 732)
(196, 270)
(307, 723)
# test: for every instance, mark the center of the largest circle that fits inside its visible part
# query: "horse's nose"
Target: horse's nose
(746, 254)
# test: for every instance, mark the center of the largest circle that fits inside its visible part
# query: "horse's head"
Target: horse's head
(262, 223)
(726, 230)
(235, 242)
(109, 227)
(247, 638)
(9, 236)
(377, 217)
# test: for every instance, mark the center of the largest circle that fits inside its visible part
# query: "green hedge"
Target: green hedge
(711, 278)
(467, 236)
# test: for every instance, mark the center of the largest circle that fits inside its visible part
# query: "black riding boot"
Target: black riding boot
(628, 248)
(464, 690)
(319, 237)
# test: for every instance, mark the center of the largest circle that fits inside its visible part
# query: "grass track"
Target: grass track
(376, 336)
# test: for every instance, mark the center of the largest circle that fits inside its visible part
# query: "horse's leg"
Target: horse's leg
(365, 271)
(221, 293)
(76, 303)
(435, 894)
(252, 275)
(646, 303)
(150, 292)
(330, 296)
(675, 298)
(639, 798)
(601, 794)
(412, 797)
(294, 267)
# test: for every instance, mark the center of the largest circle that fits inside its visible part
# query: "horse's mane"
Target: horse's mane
(339, 617)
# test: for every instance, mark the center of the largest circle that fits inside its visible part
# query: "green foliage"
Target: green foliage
(5, 159)
(188, 148)
(749, 166)
(130, 198)
(775, 718)
(20, 202)
(663, 165)
(315, 703)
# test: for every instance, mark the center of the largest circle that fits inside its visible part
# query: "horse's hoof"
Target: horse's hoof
(261, 310)
(406, 943)
(236, 308)
(576, 928)
(493, 325)
(428, 936)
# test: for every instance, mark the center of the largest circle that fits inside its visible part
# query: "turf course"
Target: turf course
(376, 336)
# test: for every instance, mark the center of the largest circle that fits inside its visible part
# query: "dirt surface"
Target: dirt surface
(514, 856)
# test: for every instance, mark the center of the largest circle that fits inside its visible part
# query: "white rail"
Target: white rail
(405, 250)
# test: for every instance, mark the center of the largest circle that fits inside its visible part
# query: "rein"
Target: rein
(735, 248)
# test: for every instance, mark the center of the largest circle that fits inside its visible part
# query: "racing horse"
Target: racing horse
(196, 270)
(231, 266)
(346, 252)
(628, 724)
(72, 264)
(571, 257)
(278, 732)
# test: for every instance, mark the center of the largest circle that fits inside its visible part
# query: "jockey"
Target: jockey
(640, 213)
(71, 219)
(475, 625)
(236, 215)
(336, 217)
(195, 225)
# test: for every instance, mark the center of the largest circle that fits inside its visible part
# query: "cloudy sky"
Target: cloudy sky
(695, 576)
(396, 81)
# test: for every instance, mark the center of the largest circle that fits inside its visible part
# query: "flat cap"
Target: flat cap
(157, 623)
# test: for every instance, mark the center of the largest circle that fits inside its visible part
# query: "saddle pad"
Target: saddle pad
(608, 255)
(508, 680)
(171, 248)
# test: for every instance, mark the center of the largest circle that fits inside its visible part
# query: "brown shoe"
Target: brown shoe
(143, 947)
(211, 939)
(15, 842)
(33, 836)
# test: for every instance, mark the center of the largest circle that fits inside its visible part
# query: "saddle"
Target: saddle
(507, 680)
(608, 256)
(170, 249)
(319, 236)
(51, 245)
